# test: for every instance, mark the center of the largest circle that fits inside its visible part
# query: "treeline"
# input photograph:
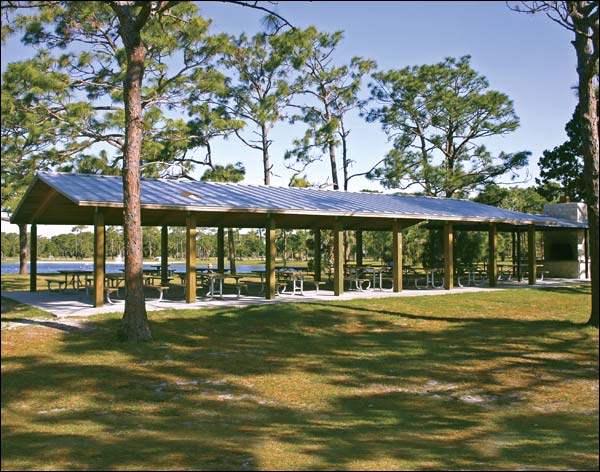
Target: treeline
(422, 247)
(80, 244)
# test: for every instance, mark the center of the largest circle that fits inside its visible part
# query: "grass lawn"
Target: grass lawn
(481, 381)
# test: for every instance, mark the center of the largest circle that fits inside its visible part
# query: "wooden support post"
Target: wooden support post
(338, 259)
(164, 256)
(190, 258)
(531, 254)
(33, 259)
(359, 248)
(519, 268)
(493, 255)
(271, 254)
(317, 255)
(397, 256)
(221, 249)
(448, 256)
(99, 258)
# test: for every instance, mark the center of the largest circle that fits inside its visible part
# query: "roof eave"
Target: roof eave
(409, 216)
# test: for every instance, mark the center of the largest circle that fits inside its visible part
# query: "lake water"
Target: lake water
(54, 267)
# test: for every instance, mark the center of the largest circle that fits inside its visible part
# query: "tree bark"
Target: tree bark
(22, 249)
(331, 143)
(334, 175)
(589, 119)
(134, 324)
(231, 241)
(284, 237)
(345, 162)
(265, 149)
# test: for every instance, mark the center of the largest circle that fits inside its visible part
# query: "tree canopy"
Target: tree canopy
(261, 89)
(437, 117)
(330, 92)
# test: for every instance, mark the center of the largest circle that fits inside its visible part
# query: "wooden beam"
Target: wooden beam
(338, 259)
(33, 259)
(317, 254)
(359, 246)
(190, 259)
(164, 255)
(448, 256)
(162, 218)
(270, 253)
(221, 249)
(99, 258)
(492, 255)
(531, 254)
(397, 257)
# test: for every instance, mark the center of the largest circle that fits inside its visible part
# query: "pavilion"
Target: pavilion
(86, 199)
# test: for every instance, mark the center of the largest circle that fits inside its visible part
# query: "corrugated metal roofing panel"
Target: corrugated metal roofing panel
(165, 193)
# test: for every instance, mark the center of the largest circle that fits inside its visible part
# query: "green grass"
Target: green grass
(482, 381)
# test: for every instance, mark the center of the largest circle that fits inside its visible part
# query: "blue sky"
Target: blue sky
(529, 58)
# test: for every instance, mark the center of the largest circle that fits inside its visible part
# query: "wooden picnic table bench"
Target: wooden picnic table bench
(62, 284)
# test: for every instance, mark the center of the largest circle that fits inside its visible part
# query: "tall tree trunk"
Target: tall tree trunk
(284, 237)
(345, 165)
(334, 175)
(231, 241)
(134, 324)
(345, 161)
(589, 119)
(331, 143)
(425, 161)
(22, 249)
(265, 149)
(346, 246)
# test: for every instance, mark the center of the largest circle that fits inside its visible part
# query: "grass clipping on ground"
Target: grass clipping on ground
(495, 380)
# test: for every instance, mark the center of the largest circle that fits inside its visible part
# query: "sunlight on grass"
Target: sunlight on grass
(495, 380)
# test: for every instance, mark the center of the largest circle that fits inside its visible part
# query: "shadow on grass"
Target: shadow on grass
(67, 328)
(399, 392)
(571, 289)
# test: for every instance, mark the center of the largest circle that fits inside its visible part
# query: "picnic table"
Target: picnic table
(295, 276)
(158, 269)
(216, 281)
(429, 274)
(76, 278)
(354, 275)
(377, 272)
(283, 276)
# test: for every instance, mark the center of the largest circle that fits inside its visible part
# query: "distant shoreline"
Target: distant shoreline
(248, 262)
(84, 261)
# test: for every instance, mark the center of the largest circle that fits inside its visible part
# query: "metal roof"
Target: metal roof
(87, 190)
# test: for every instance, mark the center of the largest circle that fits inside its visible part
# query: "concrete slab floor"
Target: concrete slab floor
(71, 303)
